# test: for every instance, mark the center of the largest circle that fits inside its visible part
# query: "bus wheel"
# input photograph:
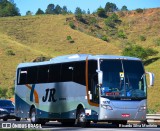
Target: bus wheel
(68, 123)
(5, 119)
(33, 118)
(42, 122)
(81, 120)
(144, 122)
(18, 119)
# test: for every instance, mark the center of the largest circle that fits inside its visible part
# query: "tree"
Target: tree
(8, 8)
(101, 12)
(28, 12)
(64, 10)
(88, 12)
(84, 12)
(39, 12)
(58, 10)
(110, 7)
(124, 8)
(50, 9)
(78, 13)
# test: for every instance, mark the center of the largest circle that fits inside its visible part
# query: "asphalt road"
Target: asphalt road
(56, 126)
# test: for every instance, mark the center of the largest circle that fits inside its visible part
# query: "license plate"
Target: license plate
(125, 115)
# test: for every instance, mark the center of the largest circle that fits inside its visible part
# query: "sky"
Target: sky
(92, 5)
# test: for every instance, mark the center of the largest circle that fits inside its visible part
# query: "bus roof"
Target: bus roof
(76, 57)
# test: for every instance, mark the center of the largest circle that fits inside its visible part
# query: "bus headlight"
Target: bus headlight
(142, 108)
(106, 107)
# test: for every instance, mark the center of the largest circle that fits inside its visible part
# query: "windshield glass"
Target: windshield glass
(123, 79)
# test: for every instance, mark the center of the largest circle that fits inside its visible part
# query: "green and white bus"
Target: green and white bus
(81, 88)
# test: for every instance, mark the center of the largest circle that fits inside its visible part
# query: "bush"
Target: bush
(138, 51)
(92, 21)
(157, 42)
(142, 38)
(112, 20)
(109, 22)
(10, 52)
(69, 38)
(139, 10)
(105, 38)
(71, 24)
(121, 34)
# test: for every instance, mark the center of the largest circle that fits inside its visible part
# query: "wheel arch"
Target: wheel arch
(80, 106)
(32, 106)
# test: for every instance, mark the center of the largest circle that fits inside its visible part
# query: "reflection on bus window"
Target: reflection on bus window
(123, 78)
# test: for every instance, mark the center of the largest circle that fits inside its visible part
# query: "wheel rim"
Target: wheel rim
(82, 117)
(33, 116)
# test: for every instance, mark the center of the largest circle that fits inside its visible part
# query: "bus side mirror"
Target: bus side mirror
(151, 78)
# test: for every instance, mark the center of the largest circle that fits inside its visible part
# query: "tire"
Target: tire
(68, 123)
(33, 118)
(81, 120)
(42, 122)
(144, 122)
(18, 119)
(5, 119)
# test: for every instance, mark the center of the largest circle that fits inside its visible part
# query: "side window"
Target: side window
(22, 76)
(79, 73)
(43, 74)
(55, 73)
(32, 75)
(67, 72)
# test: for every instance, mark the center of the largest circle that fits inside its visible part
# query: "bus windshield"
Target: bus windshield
(123, 79)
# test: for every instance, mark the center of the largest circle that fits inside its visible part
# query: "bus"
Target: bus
(80, 88)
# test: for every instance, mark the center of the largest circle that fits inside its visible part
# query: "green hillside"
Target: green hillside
(26, 38)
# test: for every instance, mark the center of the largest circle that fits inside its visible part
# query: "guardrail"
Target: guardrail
(153, 119)
(153, 116)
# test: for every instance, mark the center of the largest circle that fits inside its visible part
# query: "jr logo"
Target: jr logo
(51, 93)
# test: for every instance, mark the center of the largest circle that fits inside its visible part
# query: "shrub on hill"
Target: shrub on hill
(142, 38)
(112, 20)
(138, 51)
(10, 53)
(157, 42)
(71, 24)
(121, 34)
(105, 38)
(69, 38)
(139, 10)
